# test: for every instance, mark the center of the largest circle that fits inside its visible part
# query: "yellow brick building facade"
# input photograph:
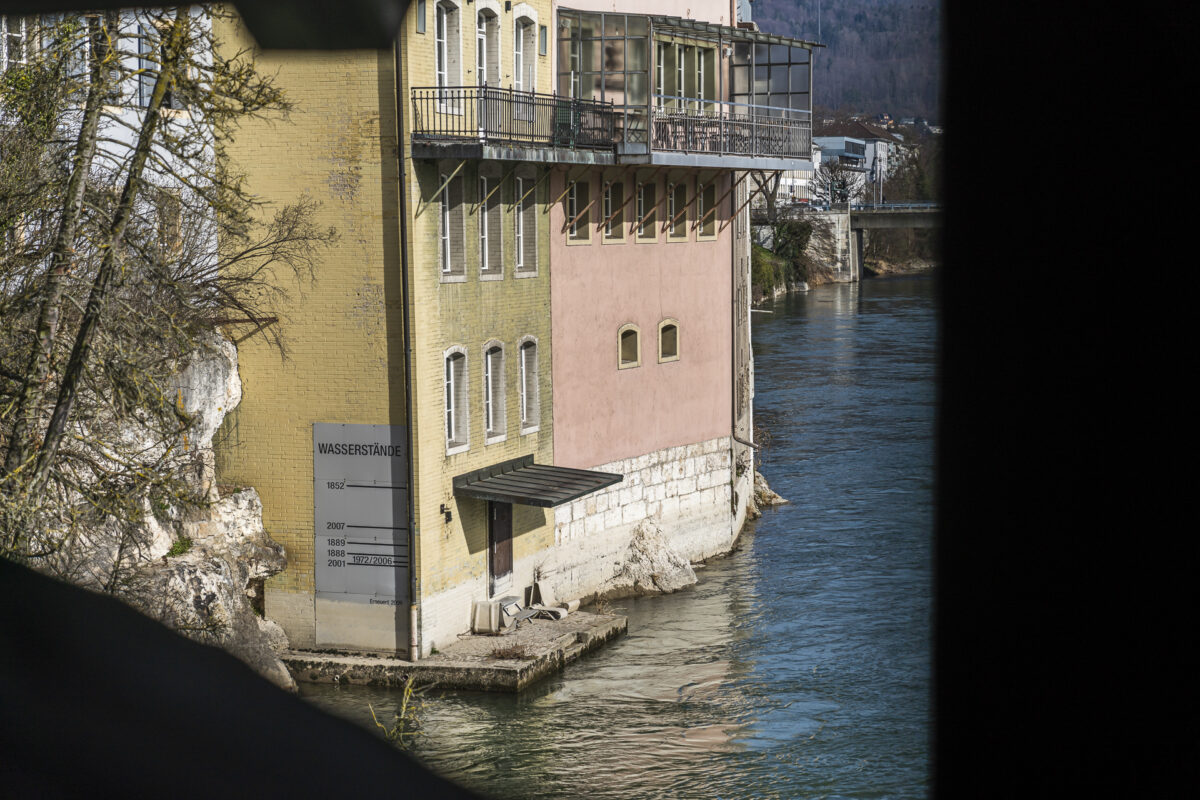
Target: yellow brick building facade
(348, 360)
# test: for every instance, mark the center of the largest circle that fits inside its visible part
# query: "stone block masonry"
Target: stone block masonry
(687, 490)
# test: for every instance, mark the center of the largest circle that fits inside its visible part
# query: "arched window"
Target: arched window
(629, 351)
(493, 392)
(524, 57)
(457, 423)
(668, 340)
(530, 411)
(487, 45)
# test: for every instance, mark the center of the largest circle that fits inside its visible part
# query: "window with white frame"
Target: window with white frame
(519, 223)
(660, 73)
(447, 67)
(491, 252)
(614, 216)
(680, 86)
(677, 211)
(493, 392)
(487, 48)
(450, 229)
(706, 209)
(526, 217)
(647, 210)
(530, 411)
(457, 423)
(524, 67)
(524, 62)
(151, 47)
(14, 41)
(578, 213)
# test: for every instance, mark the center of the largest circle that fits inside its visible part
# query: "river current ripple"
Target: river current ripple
(800, 665)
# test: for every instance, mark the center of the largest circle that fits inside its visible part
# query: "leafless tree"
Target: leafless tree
(127, 238)
(834, 182)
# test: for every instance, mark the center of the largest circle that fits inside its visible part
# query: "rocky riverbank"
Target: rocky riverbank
(879, 267)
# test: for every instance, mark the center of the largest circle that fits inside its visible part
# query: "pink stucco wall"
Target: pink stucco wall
(602, 413)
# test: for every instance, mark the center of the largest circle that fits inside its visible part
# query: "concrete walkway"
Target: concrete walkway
(505, 663)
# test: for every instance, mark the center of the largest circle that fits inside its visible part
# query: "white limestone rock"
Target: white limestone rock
(204, 593)
(764, 495)
(650, 566)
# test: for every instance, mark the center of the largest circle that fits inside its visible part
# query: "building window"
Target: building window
(680, 86)
(420, 16)
(525, 225)
(614, 211)
(443, 53)
(493, 393)
(647, 202)
(542, 46)
(491, 253)
(706, 209)
(457, 424)
(14, 41)
(668, 340)
(529, 386)
(629, 352)
(450, 229)
(524, 65)
(447, 67)
(677, 211)
(519, 222)
(487, 49)
(148, 67)
(660, 74)
(578, 212)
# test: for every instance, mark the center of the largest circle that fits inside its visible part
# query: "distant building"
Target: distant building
(849, 151)
(881, 150)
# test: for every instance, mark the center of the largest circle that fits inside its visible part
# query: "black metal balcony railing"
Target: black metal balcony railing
(508, 117)
(701, 126)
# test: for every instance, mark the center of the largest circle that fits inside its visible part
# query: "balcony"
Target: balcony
(502, 123)
(489, 122)
(685, 125)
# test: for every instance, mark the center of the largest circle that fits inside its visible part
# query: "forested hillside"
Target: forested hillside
(880, 55)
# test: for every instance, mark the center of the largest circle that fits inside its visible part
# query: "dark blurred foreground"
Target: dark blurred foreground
(98, 700)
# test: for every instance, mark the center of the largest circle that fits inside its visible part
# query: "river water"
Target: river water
(799, 666)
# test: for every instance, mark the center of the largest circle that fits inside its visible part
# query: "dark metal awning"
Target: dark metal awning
(523, 482)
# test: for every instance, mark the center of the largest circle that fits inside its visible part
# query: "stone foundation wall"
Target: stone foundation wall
(686, 490)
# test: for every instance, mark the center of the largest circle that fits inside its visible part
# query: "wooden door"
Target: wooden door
(500, 557)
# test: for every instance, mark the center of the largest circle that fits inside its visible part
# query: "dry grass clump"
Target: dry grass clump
(511, 651)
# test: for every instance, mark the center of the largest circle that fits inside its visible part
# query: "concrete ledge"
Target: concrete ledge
(549, 646)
